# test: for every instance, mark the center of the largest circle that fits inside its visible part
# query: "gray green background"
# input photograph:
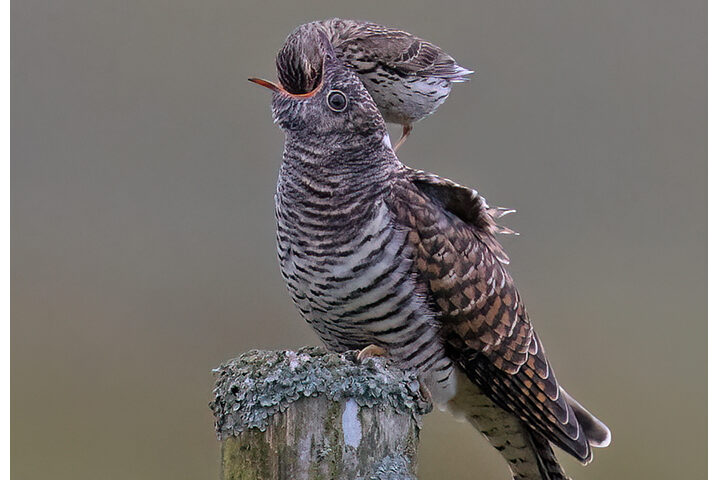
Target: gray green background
(143, 170)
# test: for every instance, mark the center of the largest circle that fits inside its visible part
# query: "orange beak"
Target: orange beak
(279, 89)
(266, 83)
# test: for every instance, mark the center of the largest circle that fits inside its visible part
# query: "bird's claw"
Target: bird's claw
(371, 351)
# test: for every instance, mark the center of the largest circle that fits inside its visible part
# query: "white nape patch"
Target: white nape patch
(351, 424)
(387, 140)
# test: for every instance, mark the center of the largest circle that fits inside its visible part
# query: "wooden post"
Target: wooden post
(314, 415)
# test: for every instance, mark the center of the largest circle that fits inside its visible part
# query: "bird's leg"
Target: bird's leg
(407, 131)
(425, 392)
(371, 351)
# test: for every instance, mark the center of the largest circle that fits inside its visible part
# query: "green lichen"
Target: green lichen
(245, 458)
(251, 388)
(332, 437)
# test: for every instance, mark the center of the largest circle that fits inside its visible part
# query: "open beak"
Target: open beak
(266, 83)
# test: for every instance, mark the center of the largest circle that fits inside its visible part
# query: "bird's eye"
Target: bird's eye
(337, 101)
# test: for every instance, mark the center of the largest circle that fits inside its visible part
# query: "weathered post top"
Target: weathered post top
(319, 415)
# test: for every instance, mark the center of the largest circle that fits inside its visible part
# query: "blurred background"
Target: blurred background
(144, 166)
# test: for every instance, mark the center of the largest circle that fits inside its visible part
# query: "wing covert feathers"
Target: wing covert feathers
(468, 205)
(461, 261)
(487, 330)
(396, 49)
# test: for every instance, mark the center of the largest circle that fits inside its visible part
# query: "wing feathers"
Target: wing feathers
(396, 49)
(487, 330)
(597, 432)
(554, 420)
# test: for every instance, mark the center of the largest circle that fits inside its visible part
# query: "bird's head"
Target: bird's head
(317, 94)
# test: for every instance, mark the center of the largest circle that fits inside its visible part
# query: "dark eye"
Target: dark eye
(337, 101)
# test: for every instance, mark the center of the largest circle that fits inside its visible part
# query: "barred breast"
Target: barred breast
(349, 272)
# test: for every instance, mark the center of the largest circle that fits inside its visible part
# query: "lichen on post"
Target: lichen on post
(315, 415)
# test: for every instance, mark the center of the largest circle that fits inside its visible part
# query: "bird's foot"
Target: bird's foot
(371, 351)
(405, 134)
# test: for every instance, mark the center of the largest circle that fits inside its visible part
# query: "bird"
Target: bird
(408, 77)
(389, 260)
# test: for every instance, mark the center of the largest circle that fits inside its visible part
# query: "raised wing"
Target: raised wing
(399, 50)
(487, 330)
(467, 204)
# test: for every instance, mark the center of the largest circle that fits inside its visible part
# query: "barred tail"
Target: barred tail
(548, 465)
(528, 454)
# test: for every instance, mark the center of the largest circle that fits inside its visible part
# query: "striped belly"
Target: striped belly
(359, 289)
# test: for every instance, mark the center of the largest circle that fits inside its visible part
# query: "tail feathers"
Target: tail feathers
(548, 465)
(528, 454)
(597, 433)
(451, 71)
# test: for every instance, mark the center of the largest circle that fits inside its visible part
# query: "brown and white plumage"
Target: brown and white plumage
(377, 253)
(396, 49)
(485, 325)
(407, 76)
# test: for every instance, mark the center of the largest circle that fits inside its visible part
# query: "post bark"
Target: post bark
(314, 415)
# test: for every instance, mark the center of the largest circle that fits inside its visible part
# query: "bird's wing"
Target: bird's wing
(487, 329)
(396, 49)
